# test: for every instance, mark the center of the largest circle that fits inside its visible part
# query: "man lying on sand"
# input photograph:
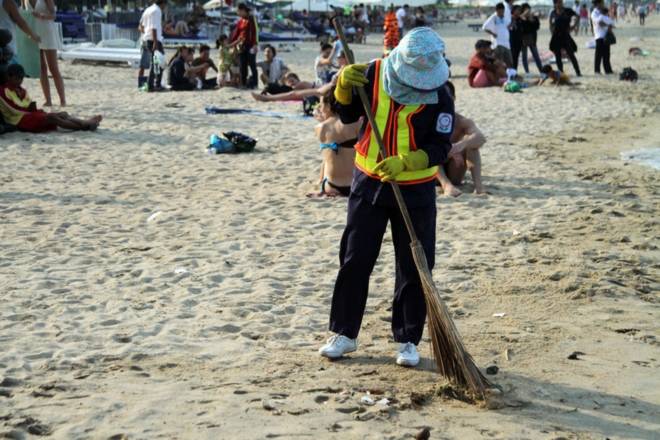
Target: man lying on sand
(337, 148)
(301, 89)
(466, 141)
(297, 90)
(19, 110)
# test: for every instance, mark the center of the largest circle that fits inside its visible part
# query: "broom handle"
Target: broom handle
(376, 132)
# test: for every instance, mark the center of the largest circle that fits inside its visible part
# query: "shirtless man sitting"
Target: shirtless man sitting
(466, 140)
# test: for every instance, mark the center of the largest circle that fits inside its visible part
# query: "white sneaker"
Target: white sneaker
(337, 346)
(407, 355)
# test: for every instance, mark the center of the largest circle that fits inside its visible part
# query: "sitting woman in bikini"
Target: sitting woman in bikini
(337, 142)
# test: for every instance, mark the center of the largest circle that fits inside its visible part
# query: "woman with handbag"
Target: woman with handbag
(604, 37)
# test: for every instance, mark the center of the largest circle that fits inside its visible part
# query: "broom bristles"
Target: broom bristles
(453, 361)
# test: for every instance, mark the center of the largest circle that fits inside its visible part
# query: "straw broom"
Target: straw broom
(453, 361)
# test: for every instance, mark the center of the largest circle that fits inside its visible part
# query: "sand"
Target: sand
(150, 290)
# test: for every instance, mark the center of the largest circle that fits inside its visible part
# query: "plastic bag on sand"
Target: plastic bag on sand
(233, 142)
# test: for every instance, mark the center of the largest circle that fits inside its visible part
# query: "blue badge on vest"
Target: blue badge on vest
(443, 125)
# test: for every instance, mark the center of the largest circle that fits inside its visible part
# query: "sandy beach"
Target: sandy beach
(151, 290)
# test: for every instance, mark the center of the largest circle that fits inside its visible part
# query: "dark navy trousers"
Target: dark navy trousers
(359, 249)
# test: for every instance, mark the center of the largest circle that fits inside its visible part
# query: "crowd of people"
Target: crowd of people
(238, 55)
(513, 32)
(512, 29)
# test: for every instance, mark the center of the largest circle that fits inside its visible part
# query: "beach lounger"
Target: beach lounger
(277, 37)
(102, 55)
(187, 41)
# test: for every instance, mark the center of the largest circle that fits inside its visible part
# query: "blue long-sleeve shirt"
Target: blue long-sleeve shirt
(433, 127)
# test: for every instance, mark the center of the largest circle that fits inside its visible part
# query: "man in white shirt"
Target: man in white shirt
(273, 70)
(497, 26)
(401, 16)
(601, 24)
(152, 41)
(364, 17)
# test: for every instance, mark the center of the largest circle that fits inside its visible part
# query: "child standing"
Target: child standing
(227, 64)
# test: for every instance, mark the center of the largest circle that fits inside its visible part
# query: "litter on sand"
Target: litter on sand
(367, 400)
(153, 216)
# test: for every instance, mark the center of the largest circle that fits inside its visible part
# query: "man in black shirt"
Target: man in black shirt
(179, 78)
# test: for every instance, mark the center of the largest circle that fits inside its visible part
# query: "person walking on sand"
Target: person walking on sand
(152, 23)
(44, 11)
(530, 25)
(642, 10)
(515, 36)
(562, 20)
(415, 113)
(601, 25)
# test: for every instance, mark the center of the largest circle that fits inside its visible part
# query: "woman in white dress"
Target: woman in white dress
(46, 28)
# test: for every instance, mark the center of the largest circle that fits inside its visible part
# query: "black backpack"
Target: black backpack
(628, 74)
(309, 104)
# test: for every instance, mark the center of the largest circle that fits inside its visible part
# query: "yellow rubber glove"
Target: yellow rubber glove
(349, 77)
(388, 169)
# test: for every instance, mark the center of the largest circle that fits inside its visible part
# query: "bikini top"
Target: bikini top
(335, 147)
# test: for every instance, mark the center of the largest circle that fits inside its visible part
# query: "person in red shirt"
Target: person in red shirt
(484, 70)
(245, 39)
(391, 29)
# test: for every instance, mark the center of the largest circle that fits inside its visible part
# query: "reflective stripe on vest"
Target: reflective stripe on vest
(367, 151)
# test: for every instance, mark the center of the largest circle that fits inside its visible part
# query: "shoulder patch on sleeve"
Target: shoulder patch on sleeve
(444, 123)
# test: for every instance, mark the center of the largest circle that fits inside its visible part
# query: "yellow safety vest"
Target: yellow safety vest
(12, 106)
(398, 135)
